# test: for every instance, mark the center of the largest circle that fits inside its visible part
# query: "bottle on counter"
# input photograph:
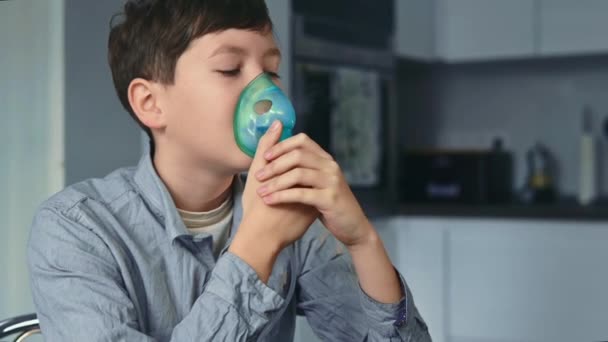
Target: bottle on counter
(540, 185)
(587, 193)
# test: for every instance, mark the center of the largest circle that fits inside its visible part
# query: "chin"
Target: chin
(238, 161)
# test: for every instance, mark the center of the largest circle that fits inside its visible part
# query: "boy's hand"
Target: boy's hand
(300, 171)
(265, 230)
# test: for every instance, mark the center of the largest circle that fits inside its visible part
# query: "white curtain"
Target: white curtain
(31, 132)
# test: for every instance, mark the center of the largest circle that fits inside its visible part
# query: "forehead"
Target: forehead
(235, 41)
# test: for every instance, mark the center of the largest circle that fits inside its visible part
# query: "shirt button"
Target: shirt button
(401, 319)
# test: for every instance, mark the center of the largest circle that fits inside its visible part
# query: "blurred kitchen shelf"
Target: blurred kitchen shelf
(558, 211)
(378, 205)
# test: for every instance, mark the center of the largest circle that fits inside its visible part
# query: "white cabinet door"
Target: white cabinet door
(414, 29)
(527, 281)
(416, 248)
(573, 26)
(485, 29)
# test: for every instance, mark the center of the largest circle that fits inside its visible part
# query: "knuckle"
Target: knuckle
(333, 196)
(334, 166)
(297, 155)
(312, 175)
(334, 180)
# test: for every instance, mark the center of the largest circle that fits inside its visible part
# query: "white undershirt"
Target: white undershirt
(216, 222)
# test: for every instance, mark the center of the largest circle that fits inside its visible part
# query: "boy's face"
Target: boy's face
(199, 106)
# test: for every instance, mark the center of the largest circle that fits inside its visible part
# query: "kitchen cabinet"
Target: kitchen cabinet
(465, 30)
(480, 30)
(497, 280)
(416, 248)
(484, 29)
(573, 27)
(504, 280)
(414, 35)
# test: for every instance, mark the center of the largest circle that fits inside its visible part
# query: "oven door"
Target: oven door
(345, 110)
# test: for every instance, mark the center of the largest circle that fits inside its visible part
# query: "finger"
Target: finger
(298, 141)
(295, 159)
(296, 177)
(307, 196)
(272, 135)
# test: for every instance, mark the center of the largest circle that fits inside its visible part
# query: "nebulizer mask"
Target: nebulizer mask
(259, 105)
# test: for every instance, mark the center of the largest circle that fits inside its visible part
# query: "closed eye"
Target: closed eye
(230, 73)
(236, 72)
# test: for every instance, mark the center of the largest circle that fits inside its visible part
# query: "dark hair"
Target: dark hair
(147, 39)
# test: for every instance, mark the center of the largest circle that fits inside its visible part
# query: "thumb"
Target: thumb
(269, 139)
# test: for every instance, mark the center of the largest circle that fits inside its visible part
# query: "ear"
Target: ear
(144, 97)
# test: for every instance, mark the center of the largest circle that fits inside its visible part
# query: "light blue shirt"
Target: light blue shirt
(111, 260)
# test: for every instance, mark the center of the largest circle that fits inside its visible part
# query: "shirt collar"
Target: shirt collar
(156, 194)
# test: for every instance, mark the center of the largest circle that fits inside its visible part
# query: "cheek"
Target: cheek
(203, 114)
(216, 108)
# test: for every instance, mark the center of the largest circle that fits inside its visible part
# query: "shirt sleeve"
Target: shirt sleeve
(329, 295)
(79, 293)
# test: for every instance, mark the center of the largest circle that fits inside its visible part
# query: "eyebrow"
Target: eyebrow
(272, 52)
(233, 49)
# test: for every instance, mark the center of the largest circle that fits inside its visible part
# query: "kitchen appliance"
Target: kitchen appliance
(540, 180)
(456, 176)
(344, 86)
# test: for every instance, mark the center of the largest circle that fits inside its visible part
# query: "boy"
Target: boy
(178, 249)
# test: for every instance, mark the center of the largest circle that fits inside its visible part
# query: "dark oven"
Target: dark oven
(343, 94)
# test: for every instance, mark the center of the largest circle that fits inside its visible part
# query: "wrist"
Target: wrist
(368, 239)
(258, 251)
(376, 274)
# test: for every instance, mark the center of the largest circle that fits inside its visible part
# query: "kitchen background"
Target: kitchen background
(498, 244)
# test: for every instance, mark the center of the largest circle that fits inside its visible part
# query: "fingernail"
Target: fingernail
(263, 190)
(267, 199)
(260, 173)
(275, 126)
(268, 155)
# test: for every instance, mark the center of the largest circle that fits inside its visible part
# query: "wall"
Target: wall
(99, 134)
(31, 133)
(61, 119)
(466, 105)
(280, 13)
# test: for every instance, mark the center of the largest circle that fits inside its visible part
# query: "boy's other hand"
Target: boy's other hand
(298, 170)
(266, 229)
